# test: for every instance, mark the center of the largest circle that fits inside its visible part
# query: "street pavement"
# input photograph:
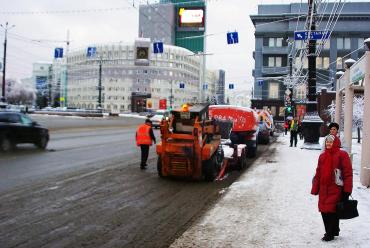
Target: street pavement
(270, 206)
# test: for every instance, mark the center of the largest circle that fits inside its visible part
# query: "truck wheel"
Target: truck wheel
(6, 144)
(209, 169)
(243, 161)
(159, 167)
(252, 151)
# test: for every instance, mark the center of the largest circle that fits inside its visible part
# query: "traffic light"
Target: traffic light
(289, 109)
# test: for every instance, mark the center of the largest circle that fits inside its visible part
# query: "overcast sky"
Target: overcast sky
(120, 23)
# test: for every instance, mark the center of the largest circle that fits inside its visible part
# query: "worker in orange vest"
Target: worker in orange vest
(144, 138)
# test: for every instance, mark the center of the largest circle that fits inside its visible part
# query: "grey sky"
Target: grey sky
(121, 25)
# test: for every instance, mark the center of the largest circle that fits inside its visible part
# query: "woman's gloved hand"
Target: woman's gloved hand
(345, 196)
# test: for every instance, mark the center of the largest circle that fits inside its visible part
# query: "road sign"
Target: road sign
(182, 85)
(260, 82)
(287, 92)
(158, 47)
(231, 86)
(58, 52)
(205, 86)
(314, 35)
(91, 52)
(232, 38)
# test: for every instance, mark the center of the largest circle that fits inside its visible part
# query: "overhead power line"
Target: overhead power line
(63, 12)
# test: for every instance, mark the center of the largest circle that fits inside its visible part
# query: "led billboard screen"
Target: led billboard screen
(191, 18)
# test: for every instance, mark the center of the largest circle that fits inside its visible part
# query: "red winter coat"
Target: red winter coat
(323, 182)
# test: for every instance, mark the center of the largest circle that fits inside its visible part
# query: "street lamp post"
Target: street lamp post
(6, 28)
(312, 122)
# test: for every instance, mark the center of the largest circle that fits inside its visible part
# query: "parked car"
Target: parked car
(158, 116)
(17, 128)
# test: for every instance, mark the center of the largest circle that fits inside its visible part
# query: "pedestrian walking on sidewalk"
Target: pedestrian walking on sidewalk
(333, 183)
(294, 131)
(334, 130)
(286, 126)
(144, 138)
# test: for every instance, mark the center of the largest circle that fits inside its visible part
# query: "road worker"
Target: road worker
(145, 138)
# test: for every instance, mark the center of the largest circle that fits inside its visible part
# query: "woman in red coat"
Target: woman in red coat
(328, 188)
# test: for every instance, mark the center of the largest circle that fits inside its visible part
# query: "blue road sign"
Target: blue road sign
(260, 82)
(232, 38)
(58, 52)
(182, 85)
(231, 86)
(91, 51)
(158, 47)
(314, 35)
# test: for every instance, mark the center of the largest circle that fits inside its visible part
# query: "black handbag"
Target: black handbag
(347, 209)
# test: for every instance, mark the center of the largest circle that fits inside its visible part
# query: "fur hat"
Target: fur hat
(330, 138)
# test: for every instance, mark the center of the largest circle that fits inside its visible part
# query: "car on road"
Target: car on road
(158, 116)
(17, 128)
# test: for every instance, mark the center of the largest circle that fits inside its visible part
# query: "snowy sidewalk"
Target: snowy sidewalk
(271, 206)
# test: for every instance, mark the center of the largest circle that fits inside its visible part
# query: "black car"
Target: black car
(16, 128)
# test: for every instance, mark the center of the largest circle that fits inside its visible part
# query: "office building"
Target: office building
(274, 42)
(131, 74)
(175, 22)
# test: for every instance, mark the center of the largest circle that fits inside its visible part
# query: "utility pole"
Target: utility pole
(312, 61)
(171, 96)
(312, 122)
(99, 86)
(6, 28)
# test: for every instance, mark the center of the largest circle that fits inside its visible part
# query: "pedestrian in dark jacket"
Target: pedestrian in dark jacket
(144, 138)
(332, 186)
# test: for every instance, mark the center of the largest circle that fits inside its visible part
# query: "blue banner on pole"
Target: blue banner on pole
(314, 35)
(232, 38)
(182, 85)
(158, 47)
(58, 52)
(231, 86)
(91, 52)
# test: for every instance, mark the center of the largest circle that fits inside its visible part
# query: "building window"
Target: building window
(273, 110)
(273, 90)
(339, 63)
(274, 61)
(361, 43)
(326, 62)
(343, 43)
(275, 42)
(301, 92)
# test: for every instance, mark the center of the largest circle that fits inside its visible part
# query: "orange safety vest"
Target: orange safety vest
(143, 135)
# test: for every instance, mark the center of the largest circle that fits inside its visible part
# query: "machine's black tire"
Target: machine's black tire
(43, 142)
(252, 151)
(243, 161)
(159, 166)
(6, 144)
(210, 169)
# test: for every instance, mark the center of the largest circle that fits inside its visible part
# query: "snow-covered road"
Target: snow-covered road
(271, 206)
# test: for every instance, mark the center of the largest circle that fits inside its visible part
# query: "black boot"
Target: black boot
(327, 237)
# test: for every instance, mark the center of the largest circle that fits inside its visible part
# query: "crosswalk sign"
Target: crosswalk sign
(158, 47)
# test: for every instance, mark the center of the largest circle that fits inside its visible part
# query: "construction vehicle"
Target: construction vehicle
(191, 145)
(245, 125)
(266, 126)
